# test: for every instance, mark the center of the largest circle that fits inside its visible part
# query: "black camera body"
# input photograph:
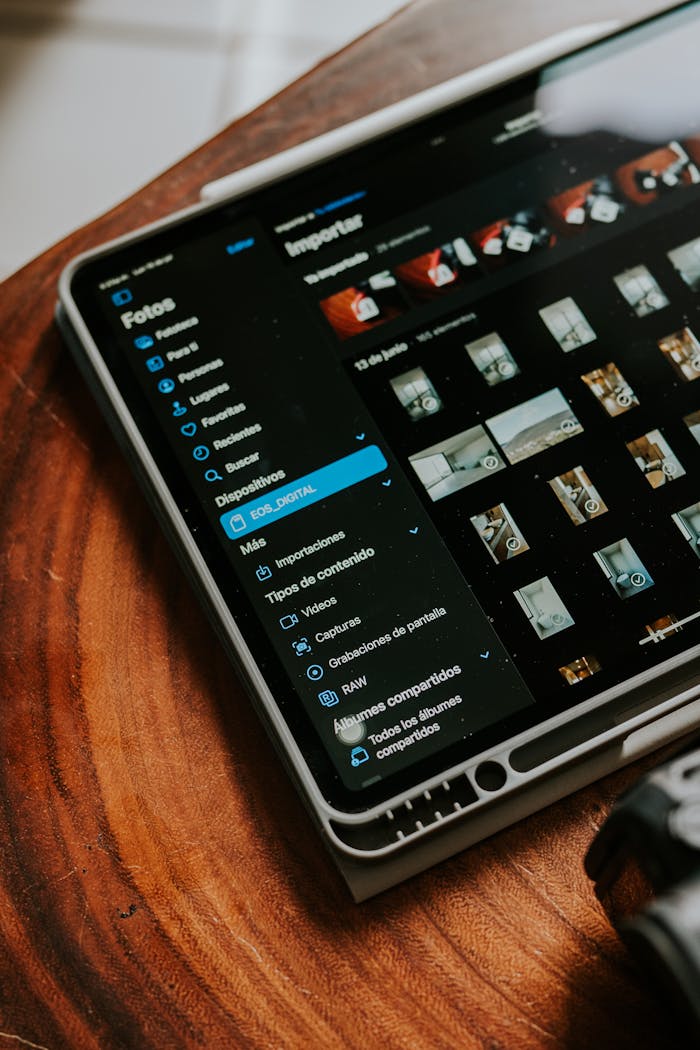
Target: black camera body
(645, 862)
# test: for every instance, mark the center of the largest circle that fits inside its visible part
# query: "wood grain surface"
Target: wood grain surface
(160, 883)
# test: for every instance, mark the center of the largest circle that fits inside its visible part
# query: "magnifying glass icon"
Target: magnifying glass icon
(212, 475)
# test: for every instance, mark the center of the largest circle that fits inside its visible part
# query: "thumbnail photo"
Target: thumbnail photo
(534, 426)
(662, 628)
(577, 670)
(457, 462)
(693, 424)
(609, 386)
(567, 324)
(593, 202)
(641, 291)
(544, 608)
(508, 239)
(652, 454)
(668, 168)
(688, 521)
(499, 533)
(686, 260)
(430, 275)
(417, 394)
(578, 495)
(492, 358)
(682, 351)
(624, 569)
(365, 305)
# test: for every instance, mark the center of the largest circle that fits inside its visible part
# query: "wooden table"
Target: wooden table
(160, 883)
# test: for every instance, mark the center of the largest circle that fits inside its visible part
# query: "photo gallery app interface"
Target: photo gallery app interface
(439, 407)
(536, 378)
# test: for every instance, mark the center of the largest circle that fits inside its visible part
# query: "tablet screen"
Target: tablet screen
(431, 410)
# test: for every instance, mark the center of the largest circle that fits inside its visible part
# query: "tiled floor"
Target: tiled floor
(97, 96)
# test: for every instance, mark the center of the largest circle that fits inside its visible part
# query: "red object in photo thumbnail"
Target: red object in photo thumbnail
(428, 276)
(506, 240)
(591, 203)
(357, 309)
(665, 169)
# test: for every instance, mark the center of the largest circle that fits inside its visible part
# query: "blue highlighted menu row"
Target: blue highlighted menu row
(302, 493)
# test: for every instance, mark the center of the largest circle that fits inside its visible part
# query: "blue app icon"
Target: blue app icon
(188, 429)
(329, 698)
(178, 409)
(201, 452)
(358, 755)
(314, 672)
(166, 386)
(154, 364)
(122, 297)
(289, 620)
(143, 342)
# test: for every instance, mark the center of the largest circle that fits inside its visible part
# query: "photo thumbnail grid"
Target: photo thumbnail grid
(507, 373)
(600, 201)
(547, 420)
(524, 431)
(564, 320)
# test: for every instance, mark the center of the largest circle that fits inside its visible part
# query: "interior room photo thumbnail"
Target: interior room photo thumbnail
(686, 260)
(641, 290)
(682, 351)
(492, 358)
(567, 323)
(499, 533)
(416, 393)
(578, 495)
(655, 458)
(623, 568)
(457, 462)
(688, 521)
(544, 608)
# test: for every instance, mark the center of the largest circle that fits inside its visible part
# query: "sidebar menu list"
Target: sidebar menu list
(387, 648)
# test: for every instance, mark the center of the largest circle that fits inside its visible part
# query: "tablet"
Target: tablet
(420, 413)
